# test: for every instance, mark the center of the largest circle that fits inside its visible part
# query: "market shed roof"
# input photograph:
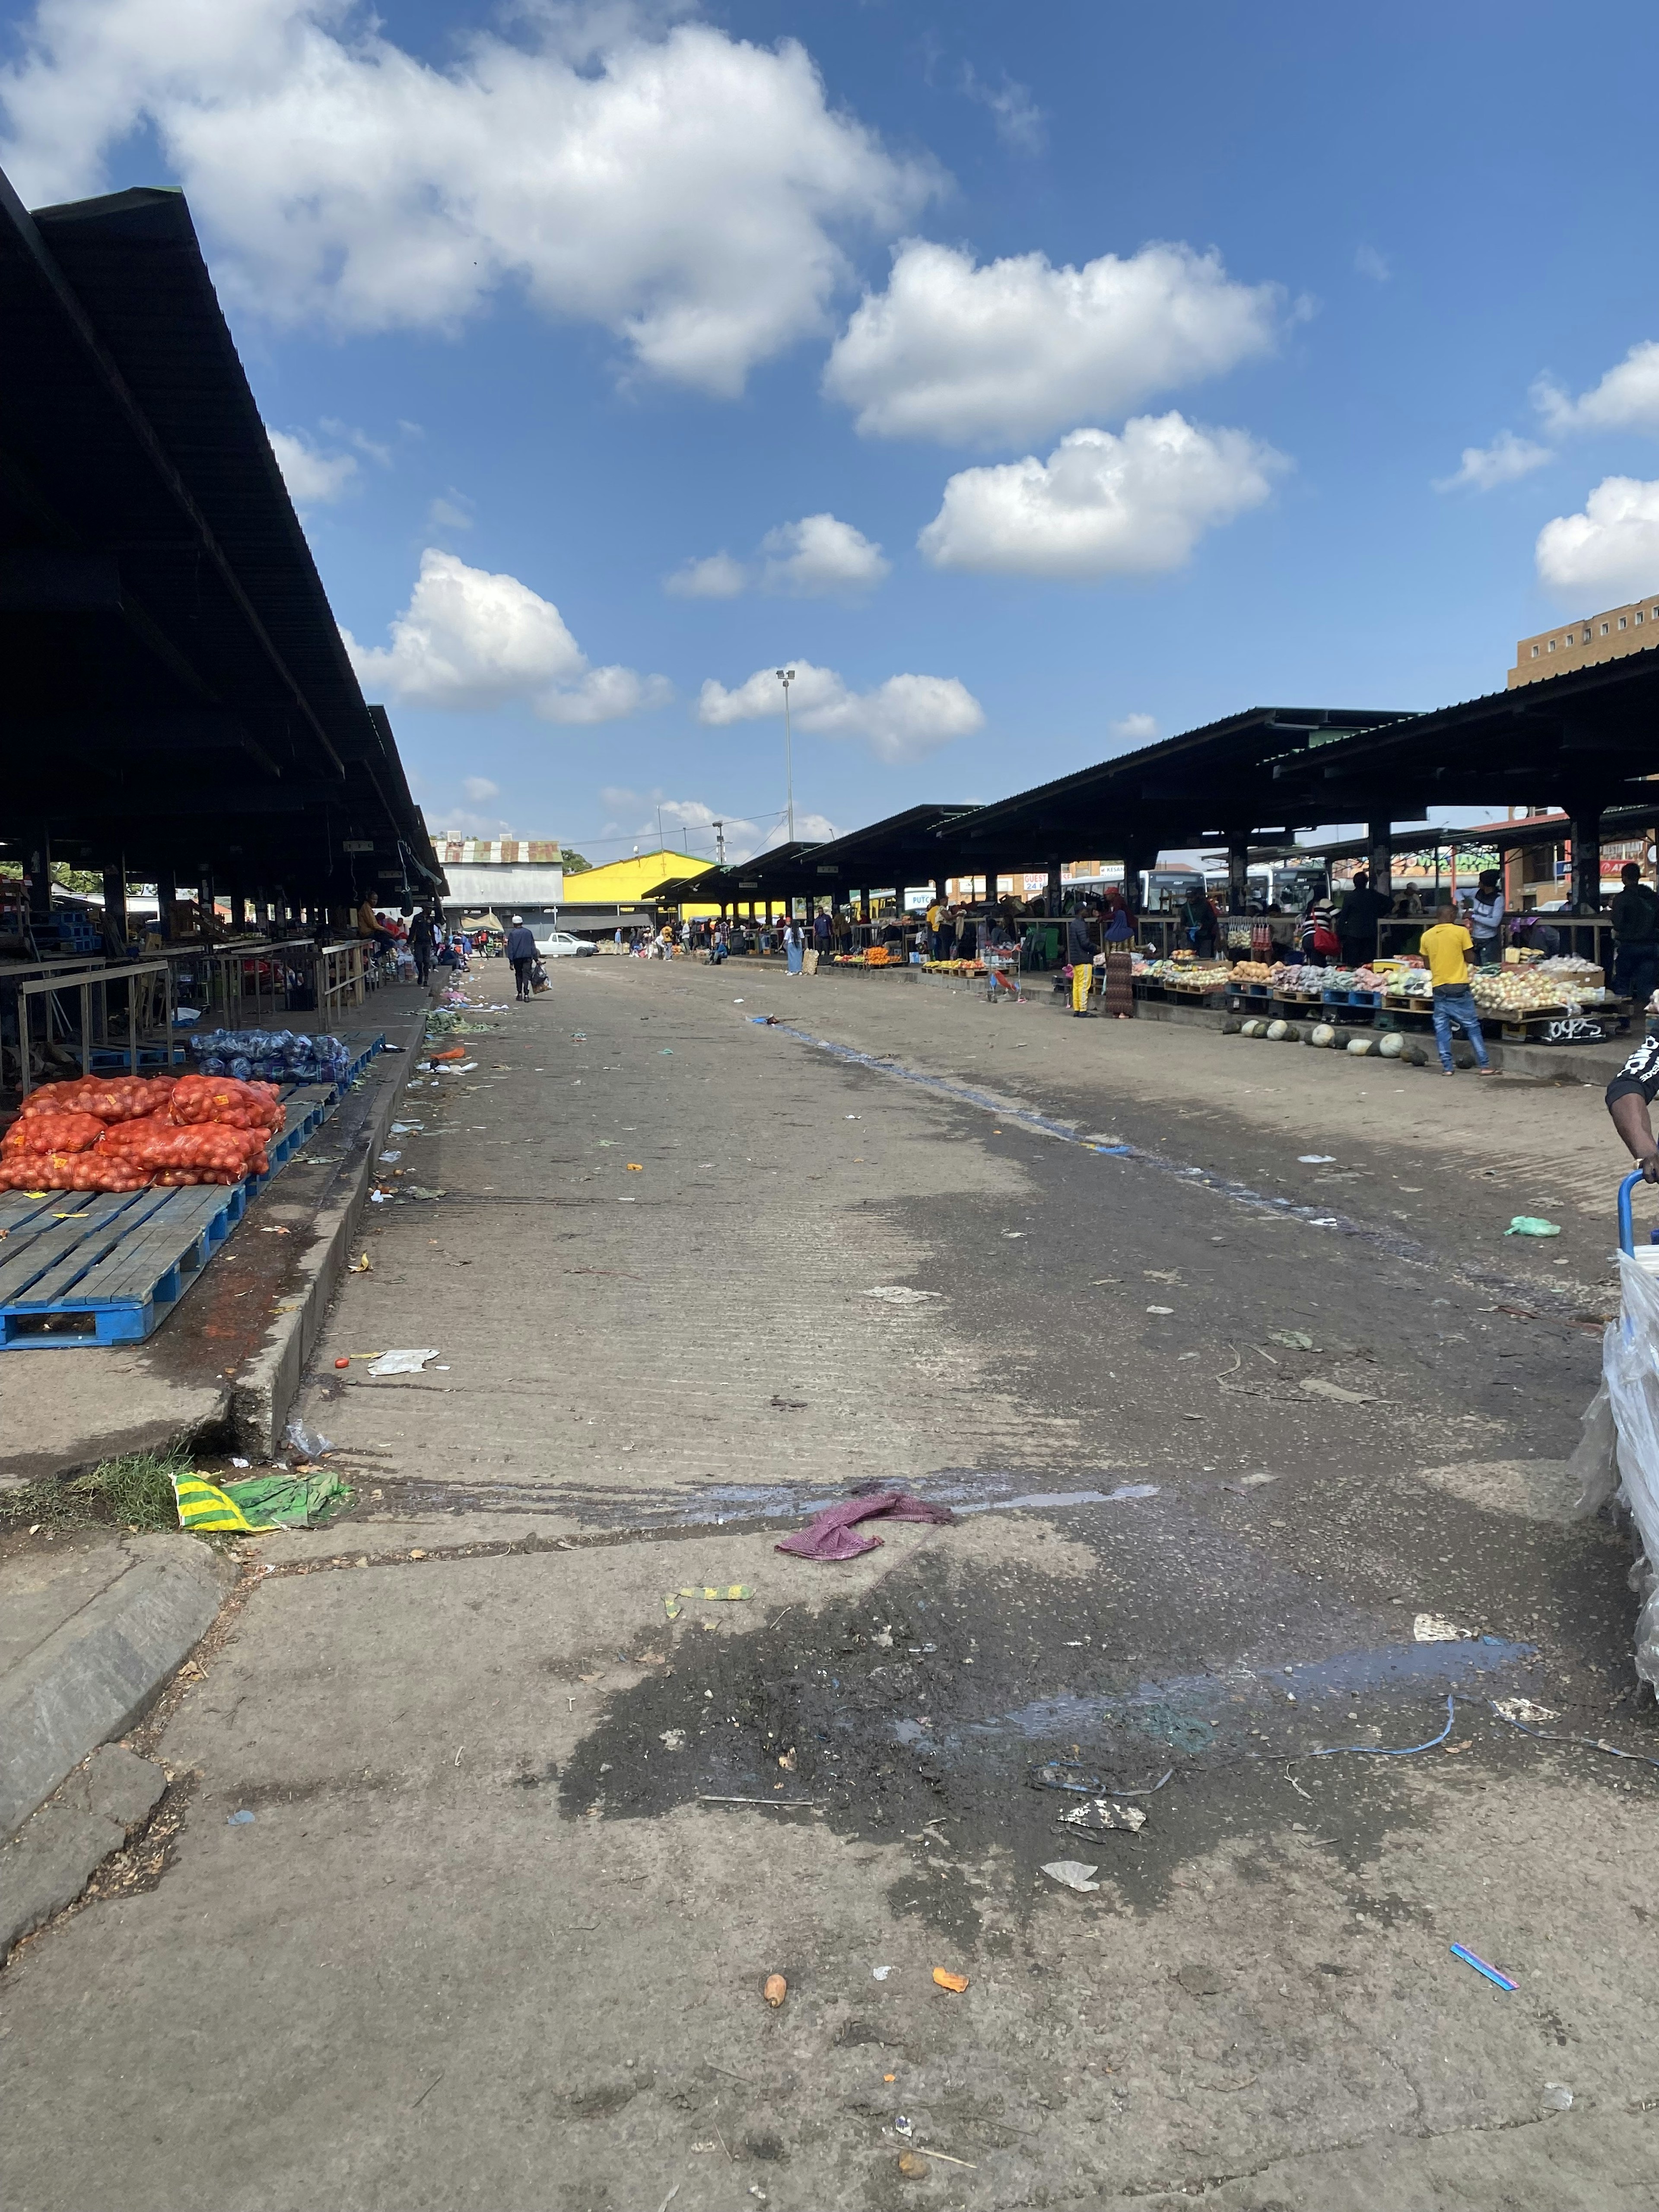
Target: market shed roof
(177, 690)
(913, 846)
(1581, 740)
(1209, 782)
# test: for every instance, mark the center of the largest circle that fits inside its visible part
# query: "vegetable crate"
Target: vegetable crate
(110, 1268)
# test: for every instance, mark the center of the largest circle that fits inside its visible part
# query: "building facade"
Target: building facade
(1629, 629)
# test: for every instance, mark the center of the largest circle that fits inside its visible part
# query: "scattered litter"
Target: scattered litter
(278, 1500)
(1431, 1628)
(829, 1535)
(389, 1156)
(1317, 1160)
(635, 1167)
(946, 1980)
(667, 1052)
(1072, 1873)
(879, 1973)
(1320, 1388)
(1100, 1814)
(1588, 1742)
(310, 1444)
(1200, 1981)
(403, 1362)
(1069, 1775)
(1160, 1309)
(1294, 1339)
(275, 1232)
(1013, 1232)
(776, 1990)
(921, 2152)
(901, 1294)
(726, 1593)
(903, 2126)
(239, 1820)
(672, 1739)
(417, 1190)
(1522, 1709)
(378, 1197)
(1255, 1482)
(357, 1268)
(248, 1462)
(1531, 1225)
(670, 1605)
(1491, 1974)
(1556, 2097)
(341, 1363)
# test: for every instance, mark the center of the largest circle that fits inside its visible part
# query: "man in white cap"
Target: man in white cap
(521, 951)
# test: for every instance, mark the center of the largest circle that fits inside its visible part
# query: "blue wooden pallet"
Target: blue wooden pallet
(80, 1267)
(102, 1267)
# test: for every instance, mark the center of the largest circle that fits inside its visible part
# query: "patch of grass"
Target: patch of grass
(132, 1491)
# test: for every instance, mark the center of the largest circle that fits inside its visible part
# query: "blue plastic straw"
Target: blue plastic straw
(1491, 1974)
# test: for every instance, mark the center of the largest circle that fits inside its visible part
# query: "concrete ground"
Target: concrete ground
(1220, 1425)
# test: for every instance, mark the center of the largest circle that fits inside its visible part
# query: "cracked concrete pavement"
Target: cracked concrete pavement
(495, 1933)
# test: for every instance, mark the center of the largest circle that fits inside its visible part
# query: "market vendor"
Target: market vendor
(370, 925)
(1634, 913)
(1486, 918)
(1356, 921)
(1630, 1096)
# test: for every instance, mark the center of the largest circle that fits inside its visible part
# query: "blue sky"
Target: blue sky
(1146, 346)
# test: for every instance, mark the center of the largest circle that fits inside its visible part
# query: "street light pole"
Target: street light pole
(786, 676)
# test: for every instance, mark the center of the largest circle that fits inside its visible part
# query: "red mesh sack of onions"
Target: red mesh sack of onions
(79, 1171)
(211, 1152)
(222, 1098)
(111, 1098)
(52, 1133)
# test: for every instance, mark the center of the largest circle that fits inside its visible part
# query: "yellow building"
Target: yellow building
(622, 880)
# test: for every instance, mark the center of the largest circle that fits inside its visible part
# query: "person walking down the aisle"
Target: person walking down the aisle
(1486, 918)
(1446, 947)
(421, 934)
(1080, 952)
(1634, 913)
(521, 951)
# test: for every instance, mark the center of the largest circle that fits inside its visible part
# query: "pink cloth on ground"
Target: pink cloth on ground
(830, 1535)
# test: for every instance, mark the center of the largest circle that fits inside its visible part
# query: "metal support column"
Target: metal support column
(1238, 874)
(1379, 858)
(1051, 890)
(1586, 834)
(115, 908)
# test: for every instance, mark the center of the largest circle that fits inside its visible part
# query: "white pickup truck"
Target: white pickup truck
(558, 944)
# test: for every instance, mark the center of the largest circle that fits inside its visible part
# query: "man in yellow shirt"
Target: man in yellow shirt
(1447, 947)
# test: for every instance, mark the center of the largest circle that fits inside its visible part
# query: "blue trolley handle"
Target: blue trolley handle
(1626, 1232)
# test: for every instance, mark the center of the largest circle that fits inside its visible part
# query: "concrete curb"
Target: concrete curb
(94, 1677)
(270, 1380)
(54, 1857)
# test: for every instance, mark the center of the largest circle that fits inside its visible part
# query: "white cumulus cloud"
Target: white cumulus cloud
(479, 788)
(1626, 398)
(719, 577)
(1101, 505)
(900, 719)
(1610, 551)
(1135, 729)
(820, 557)
(687, 191)
(1015, 349)
(690, 823)
(469, 638)
(1504, 461)
(313, 477)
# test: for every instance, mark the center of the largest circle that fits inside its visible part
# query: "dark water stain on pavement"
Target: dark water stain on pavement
(920, 1710)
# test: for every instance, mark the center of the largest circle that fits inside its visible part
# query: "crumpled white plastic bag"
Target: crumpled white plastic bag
(1621, 1430)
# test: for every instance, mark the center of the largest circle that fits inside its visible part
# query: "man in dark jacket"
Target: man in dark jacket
(521, 951)
(1634, 913)
(1356, 922)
